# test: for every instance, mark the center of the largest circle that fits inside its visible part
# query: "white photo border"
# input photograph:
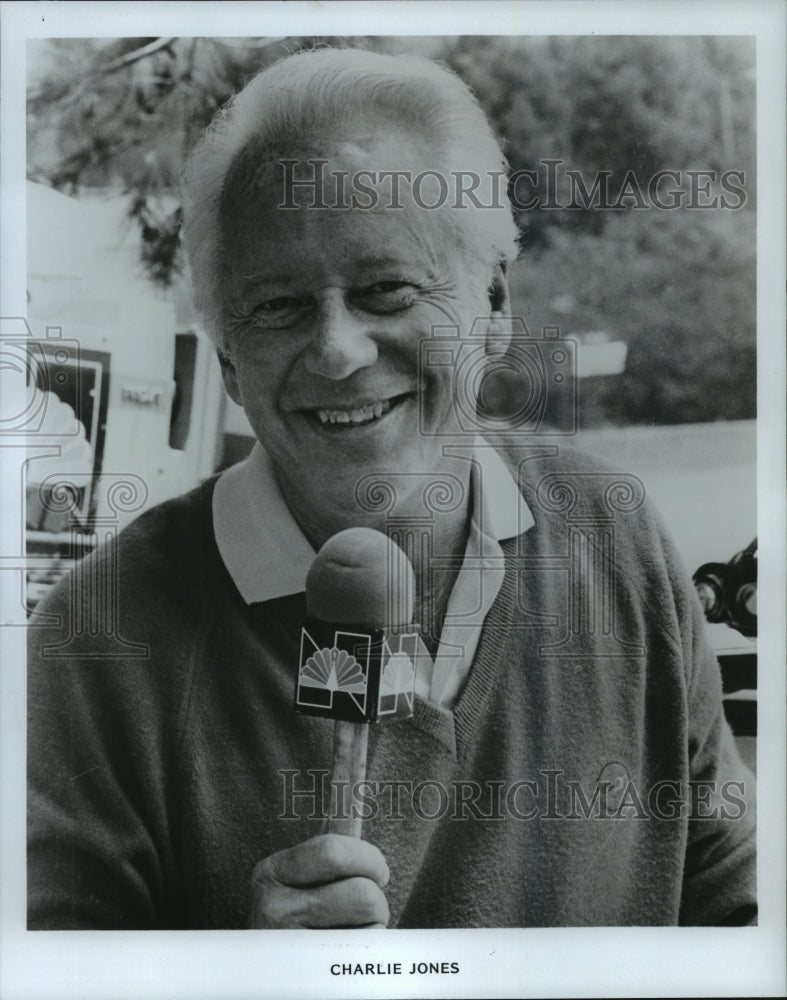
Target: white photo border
(592, 962)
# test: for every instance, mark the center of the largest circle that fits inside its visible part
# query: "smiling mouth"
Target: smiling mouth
(358, 416)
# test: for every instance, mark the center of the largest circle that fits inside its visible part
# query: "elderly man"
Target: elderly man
(567, 761)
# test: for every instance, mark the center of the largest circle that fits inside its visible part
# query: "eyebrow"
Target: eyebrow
(373, 263)
(252, 280)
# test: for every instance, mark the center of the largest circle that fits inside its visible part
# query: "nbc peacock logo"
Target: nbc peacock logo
(328, 671)
(397, 680)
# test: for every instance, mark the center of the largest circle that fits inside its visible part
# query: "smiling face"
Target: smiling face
(325, 311)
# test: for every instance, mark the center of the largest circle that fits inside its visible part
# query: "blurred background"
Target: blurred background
(660, 302)
(117, 117)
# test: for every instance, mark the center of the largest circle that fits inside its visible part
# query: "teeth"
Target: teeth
(359, 416)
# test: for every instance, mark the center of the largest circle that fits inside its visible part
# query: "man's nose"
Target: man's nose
(342, 341)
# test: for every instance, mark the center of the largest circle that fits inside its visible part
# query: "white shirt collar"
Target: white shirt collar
(268, 556)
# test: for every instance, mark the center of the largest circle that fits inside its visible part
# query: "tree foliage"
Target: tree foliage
(677, 286)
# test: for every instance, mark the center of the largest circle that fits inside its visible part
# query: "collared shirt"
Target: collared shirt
(248, 504)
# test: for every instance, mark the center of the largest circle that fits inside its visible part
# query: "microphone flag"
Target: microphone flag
(356, 673)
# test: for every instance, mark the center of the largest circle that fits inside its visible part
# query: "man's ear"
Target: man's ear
(229, 376)
(498, 335)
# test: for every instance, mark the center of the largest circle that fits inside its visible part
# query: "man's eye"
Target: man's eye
(279, 313)
(278, 305)
(387, 296)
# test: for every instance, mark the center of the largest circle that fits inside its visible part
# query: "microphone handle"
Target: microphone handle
(350, 740)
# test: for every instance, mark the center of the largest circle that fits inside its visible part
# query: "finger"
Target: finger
(351, 902)
(282, 907)
(326, 858)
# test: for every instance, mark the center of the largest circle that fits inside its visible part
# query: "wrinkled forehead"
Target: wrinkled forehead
(372, 182)
(370, 167)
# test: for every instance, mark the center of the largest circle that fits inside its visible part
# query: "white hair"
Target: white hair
(327, 91)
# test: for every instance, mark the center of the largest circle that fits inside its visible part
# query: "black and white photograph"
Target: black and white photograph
(393, 487)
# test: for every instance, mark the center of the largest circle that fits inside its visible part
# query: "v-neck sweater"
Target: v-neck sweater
(165, 759)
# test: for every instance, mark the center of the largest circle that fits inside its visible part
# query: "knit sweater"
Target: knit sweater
(585, 777)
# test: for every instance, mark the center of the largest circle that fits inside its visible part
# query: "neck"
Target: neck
(437, 505)
(425, 524)
(435, 583)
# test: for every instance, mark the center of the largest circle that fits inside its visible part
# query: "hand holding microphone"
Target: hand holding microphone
(359, 591)
(328, 881)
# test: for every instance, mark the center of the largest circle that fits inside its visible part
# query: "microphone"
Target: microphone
(358, 650)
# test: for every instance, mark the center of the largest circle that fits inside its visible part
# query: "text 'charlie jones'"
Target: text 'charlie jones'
(550, 796)
(393, 968)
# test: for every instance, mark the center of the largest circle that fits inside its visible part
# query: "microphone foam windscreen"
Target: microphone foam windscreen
(361, 576)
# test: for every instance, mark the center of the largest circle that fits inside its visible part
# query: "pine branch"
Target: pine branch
(137, 54)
